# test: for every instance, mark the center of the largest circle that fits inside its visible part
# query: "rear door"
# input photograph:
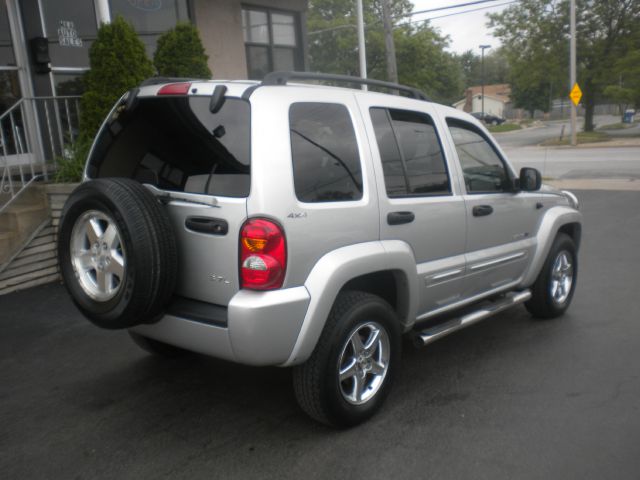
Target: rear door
(419, 199)
(175, 144)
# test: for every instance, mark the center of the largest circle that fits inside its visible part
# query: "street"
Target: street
(508, 398)
(552, 129)
(619, 159)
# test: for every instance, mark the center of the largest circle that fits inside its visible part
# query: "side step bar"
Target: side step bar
(432, 334)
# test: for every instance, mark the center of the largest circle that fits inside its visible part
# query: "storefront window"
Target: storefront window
(9, 89)
(71, 27)
(271, 41)
(151, 18)
(68, 84)
(6, 48)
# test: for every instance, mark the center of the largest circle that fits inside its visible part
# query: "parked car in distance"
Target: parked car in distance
(308, 226)
(488, 118)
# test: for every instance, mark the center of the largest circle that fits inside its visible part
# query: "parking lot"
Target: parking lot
(508, 398)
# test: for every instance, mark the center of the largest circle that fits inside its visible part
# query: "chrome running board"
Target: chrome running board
(437, 332)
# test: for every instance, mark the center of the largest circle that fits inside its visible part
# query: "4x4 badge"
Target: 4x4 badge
(218, 278)
(297, 215)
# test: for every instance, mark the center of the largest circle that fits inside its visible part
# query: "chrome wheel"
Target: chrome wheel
(561, 278)
(97, 255)
(364, 363)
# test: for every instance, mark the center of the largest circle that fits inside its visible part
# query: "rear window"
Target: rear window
(176, 143)
(324, 150)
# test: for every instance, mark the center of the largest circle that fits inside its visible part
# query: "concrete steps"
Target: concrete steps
(34, 261)
(36, 264)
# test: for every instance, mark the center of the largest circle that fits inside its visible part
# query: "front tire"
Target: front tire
(553, 290)
(350, 373)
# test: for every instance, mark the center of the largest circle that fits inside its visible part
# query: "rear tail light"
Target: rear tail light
(175, 89)
(263, 255)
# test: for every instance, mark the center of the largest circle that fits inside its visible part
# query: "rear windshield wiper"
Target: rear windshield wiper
(166, 196)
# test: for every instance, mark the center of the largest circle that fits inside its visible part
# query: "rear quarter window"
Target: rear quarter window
(324, 151)
(176, 143)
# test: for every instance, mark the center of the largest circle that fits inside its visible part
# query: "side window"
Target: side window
(324, 151)
(483, 169)
(410, 151)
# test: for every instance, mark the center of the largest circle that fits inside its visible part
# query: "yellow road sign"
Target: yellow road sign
(576, 94)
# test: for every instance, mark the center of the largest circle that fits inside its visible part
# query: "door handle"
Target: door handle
(398, 218)
(211, 226)
(482, 210)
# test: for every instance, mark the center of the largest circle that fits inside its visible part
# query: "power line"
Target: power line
(459, 13)
(448, 7)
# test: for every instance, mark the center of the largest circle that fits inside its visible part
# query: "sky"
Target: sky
(466, 31)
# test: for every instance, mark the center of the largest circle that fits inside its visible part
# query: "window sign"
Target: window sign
(150, 16)
(68, 35)
(146, 5)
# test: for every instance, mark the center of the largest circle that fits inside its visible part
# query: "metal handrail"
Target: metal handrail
(34, 132)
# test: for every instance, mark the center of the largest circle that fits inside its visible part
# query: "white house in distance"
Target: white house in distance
(496, 99)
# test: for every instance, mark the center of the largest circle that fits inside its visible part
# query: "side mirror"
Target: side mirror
(530, 179)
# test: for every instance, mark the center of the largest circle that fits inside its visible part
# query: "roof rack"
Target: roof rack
(281, 78)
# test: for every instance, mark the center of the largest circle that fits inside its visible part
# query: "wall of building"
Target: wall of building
(491, 105)
(220, 25)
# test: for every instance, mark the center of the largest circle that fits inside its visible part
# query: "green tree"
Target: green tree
(623, 96)
(535, 35)
(421, 58)
(496, 67)
(180, 53)
(118, 63)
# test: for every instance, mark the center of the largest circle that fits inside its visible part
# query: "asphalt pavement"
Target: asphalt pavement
(508, 398)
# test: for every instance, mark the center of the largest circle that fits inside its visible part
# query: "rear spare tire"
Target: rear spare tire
(117, 253)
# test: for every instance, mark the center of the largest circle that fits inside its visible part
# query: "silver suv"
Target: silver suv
(308, 226)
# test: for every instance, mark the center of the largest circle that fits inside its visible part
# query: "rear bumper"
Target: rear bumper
(261, 327)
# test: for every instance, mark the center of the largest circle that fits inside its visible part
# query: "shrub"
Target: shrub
(71, 163)
(180, 53)
(118, 63)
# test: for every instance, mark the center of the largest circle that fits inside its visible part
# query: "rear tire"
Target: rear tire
(350, 373)
(117, 253)
(553, 290)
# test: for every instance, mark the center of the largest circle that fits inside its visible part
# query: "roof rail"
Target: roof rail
(281, 78)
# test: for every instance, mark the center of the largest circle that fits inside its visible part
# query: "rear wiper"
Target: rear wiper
(166, 196)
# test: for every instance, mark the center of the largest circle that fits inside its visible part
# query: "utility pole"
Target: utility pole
(389, 45)
(483, 48)
(361, 48)
(572, 70)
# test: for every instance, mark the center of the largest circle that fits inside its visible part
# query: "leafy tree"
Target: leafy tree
(421, 59)
(626, 89)
(118, 63)
(423, 62)
(496, 67)
(621, 95)
(535, 35)
(180, 53)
